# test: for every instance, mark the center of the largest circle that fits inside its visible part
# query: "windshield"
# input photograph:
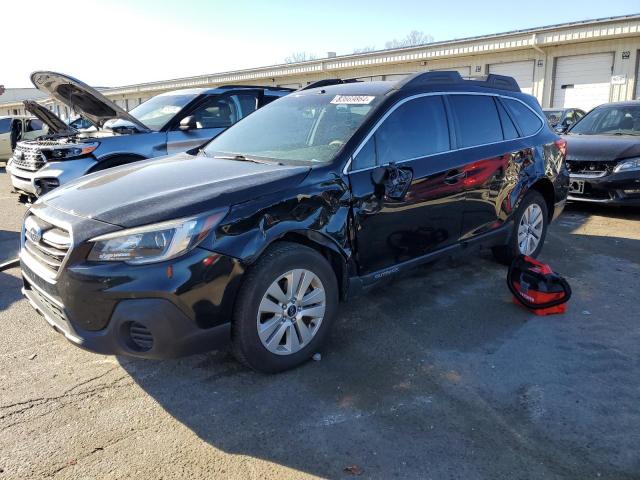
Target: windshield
(553, 116)
(610, 120)
(5, 125)
(157, 111)
(297, 129)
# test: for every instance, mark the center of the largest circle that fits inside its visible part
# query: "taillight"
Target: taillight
(561, 143)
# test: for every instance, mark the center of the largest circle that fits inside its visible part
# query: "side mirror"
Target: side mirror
(188, 123)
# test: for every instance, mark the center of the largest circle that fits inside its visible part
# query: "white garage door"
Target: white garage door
(464, 71)
(521, 71)
(582, 81)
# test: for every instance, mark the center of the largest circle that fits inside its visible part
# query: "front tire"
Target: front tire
(284, 309)
(529, 229)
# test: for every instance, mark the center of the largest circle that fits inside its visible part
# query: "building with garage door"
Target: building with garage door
(578, 64)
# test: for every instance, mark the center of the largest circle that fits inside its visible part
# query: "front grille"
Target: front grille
(591, 168)
(46, 243)
(27, 157)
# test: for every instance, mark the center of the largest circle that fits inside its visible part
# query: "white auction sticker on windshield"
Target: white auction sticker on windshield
(352, 99)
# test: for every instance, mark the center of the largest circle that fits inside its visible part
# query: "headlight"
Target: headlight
(154, 243)
(631, 164)
(71, 151)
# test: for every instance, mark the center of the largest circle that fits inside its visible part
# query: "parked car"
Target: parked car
(168, 123)
(562, 119)
(604, 155)
(15, 128)
(321, 194)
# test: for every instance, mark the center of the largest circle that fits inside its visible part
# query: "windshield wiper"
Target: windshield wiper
(242, 158)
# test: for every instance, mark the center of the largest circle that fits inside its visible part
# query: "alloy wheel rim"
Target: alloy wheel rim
(291, 312)
(530, 229)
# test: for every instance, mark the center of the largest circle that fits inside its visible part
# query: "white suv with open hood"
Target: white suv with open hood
(168, 123)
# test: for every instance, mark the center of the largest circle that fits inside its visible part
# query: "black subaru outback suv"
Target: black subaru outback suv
(322, 193)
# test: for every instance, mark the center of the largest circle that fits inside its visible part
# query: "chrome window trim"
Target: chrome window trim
(346, 170)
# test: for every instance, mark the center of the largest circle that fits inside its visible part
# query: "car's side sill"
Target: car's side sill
(498, 236)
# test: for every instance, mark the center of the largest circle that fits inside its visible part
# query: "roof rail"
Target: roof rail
(426, 78)
(270, 87)
(500, 82)
(503, 82)
(326, 82)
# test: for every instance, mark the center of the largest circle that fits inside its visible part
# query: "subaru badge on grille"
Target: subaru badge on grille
(32, 230)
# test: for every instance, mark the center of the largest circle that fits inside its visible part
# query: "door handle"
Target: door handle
(454, 177)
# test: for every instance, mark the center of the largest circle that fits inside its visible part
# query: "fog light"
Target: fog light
(140, 336)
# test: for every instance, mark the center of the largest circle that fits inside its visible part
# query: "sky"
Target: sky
(123, 42)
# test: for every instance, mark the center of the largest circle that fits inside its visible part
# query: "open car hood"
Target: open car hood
(82, 98)
(50, 119)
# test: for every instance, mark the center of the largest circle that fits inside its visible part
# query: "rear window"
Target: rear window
(528, 121)
(476, 120)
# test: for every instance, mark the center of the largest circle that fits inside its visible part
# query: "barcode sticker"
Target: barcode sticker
(352, 99)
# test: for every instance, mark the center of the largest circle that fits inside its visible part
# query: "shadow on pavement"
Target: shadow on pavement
(9, 245)
(10, 290)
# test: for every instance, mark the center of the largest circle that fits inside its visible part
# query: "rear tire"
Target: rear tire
(284, 309)
(530, 224)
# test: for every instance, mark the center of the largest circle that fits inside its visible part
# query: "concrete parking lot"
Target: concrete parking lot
(435, 375)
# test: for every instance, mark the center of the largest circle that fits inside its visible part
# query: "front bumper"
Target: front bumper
(621, 188)
(36, 183)
(103, 308)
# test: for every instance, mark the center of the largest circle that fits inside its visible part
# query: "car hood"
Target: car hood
(82, 98)
(170, 187)
(601, 147)
(50, 119)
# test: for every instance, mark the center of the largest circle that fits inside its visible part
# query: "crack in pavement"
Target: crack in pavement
(69, 393)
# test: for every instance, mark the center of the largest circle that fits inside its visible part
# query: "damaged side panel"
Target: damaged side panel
(317, 211)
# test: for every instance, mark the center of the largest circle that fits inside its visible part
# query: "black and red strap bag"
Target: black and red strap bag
(537, 287)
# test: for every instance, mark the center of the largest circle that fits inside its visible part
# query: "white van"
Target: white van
(16, 128)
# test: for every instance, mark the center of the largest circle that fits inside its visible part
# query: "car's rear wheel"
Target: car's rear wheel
(529, 229)
(284, 308)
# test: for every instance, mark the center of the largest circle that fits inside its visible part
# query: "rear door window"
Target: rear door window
(528, 121)
(476, 120)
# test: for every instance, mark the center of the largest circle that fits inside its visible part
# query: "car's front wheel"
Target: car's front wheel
(529, 230)
(284, 308)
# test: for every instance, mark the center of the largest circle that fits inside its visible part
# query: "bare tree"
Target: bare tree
(412, 39)
(296, 57)
(368, 48)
